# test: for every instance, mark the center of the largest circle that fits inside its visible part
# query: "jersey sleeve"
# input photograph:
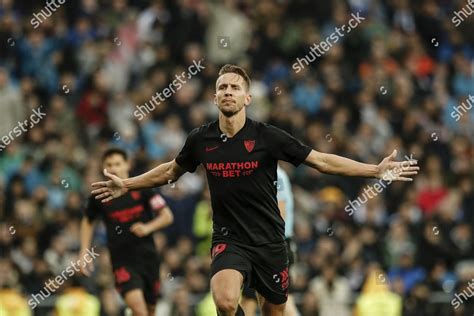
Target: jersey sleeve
(92, 210)
(157, 202)
(285, 147)
(187, 157)
(153, 199)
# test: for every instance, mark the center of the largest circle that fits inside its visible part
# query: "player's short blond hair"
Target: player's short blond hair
(229, 68)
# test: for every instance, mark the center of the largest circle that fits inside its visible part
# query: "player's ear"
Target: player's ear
(248, 99)
(215, 99)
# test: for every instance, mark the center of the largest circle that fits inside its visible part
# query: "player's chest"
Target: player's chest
(233, 158)
(125, 209)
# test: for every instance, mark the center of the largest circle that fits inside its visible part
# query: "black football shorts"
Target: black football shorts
(144, 275)
(264, 268)
(291, 250)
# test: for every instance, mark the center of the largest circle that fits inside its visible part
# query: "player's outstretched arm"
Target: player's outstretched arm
(388, 169)
(115, 187)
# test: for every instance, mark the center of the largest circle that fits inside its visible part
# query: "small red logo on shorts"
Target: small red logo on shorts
(284, 279)
(156, 287)
(122, 275)
(217, 249)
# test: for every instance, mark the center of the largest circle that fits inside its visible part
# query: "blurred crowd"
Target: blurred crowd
(393, 82)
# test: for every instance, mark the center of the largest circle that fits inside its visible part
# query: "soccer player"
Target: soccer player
(130, 222)
(240, 156)
(286, 206)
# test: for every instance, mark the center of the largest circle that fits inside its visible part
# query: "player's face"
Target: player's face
(117, 165)
(231, 94)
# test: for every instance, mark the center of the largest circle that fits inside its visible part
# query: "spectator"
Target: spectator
(376, 299)
(332, 292)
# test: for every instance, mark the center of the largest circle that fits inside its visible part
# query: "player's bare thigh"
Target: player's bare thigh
(225, 288)
(249, 305)
(269, 309)
(135, 300)
(151, 310)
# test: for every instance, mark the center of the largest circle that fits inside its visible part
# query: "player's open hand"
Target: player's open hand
(140, 229)
(108, 190)
(390, 170)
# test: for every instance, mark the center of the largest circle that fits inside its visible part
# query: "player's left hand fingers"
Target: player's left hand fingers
(408, 173)
(99, 184)
(103, 195)
(404, 166)
(411, 169)
(98, 191)
(403, 179)
(107, 199)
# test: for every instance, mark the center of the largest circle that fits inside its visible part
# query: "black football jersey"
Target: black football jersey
(119, 215)
(242, 176)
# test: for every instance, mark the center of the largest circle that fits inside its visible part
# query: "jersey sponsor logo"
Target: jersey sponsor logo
(208, 149)
(135, 195)
(232, 169)
(217, 249)
(249, 145)
(122, 275)
(126, 215)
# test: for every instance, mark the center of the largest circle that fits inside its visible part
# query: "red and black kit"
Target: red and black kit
(135, 261)
(248, 231)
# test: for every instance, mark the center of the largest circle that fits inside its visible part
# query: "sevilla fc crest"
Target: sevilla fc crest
(249, 145)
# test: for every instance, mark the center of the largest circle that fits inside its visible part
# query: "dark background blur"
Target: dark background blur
(391, 83)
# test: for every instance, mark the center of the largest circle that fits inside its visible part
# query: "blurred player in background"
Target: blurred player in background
(286, 206)
(241, 156)
(130, 222)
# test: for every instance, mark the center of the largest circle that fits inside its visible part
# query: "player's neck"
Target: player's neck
(232, 125)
